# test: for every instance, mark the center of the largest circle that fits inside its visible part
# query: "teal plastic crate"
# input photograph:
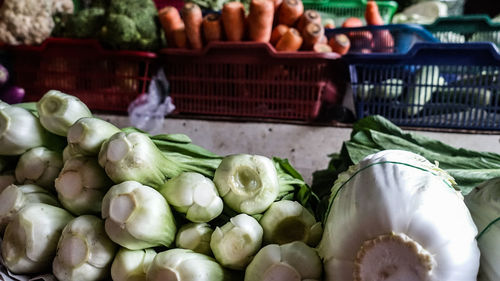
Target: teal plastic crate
(468, 28)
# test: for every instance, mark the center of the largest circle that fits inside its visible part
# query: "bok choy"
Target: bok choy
(84, 251)
(484, 205)
(30, 241)
(137, 216)
(396, 216)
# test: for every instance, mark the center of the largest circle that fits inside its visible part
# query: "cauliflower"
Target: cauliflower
(29, 22)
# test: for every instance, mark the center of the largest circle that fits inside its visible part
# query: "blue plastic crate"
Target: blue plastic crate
(392, 38)
(433, 85)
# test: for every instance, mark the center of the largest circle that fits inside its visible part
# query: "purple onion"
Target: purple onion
(12, 94)
(4, 75)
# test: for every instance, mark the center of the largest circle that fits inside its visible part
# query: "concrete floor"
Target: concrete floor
(306, 147)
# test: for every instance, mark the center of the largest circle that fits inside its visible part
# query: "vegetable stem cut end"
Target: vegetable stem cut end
(75, 133)
(393, 257)
(69, 185)
(121, 207)
(281, 271)
(74, 251)
(289, 230)
(247, 180)
(51, 105)
(118, 149)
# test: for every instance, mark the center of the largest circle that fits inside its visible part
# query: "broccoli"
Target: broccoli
(132, 24)
(85, 23)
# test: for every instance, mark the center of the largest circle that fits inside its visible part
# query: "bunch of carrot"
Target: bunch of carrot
(283, 23)
(366, 41)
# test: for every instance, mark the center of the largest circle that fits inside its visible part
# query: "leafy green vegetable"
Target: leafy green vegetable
(375, 133)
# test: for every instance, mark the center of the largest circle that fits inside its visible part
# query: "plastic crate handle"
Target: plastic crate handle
(92, 43)
(466, 23)
(476, 53)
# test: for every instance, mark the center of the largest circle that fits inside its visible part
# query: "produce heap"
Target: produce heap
(85, 200)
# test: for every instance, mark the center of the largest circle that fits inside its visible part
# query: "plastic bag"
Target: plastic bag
(148, 111)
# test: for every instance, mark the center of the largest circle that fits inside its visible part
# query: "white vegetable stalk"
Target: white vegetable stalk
(81, 185)
(84, 251)
(184, 265)
(30, 240)
(7, 178)
(131, 265)
(137, 216)
(289, 262)
(235, 243)
(20, 130)
(484, 205)
(397, 216)
(195, 237)
(58, 111)
(133, 156)
(287, 221)
(87, 134)
(194, 195)
(14, 198)
(39, 166)
(247, 183)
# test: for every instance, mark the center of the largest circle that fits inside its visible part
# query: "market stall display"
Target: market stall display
(82, 198)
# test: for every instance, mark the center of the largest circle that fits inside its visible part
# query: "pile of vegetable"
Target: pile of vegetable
(85, 200)
(30, 22)
(284, 24)
(119, 24)
(380, 179)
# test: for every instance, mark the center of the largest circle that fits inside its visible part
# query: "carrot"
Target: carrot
(277, 33)
(290, 41)
(212, 28)
(233, 20)
(322, 48)
(180, 38)
(312, 34)
(307, 17)
(352, 22)
(260, 20)
(290, 11)
(329, 23)
(277, 3)
(340, 44)
(382, 39)
(372, 14)
(359, 39)
(191, 13)
(170, 20)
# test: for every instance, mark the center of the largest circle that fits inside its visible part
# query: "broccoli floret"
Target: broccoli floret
(132, 24)
(85, 23)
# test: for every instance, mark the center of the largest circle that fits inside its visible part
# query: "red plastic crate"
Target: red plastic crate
(252, 80)
(106, 80)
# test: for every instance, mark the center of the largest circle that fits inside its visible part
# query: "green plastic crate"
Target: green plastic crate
(341, 10)
(468, 28)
